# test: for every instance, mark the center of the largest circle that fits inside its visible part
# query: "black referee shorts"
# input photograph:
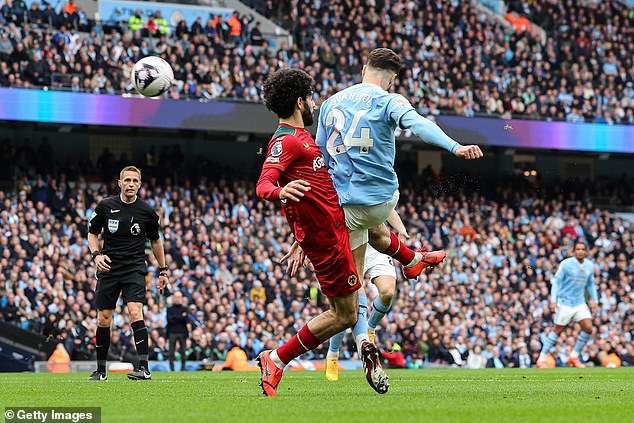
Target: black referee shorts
(109, 287)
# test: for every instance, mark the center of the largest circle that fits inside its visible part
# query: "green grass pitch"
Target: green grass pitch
(439, 395)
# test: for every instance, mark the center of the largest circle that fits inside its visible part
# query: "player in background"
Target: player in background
(356, 135)
(574, 276)
(127, 222)
(295, 173)
(380, 269)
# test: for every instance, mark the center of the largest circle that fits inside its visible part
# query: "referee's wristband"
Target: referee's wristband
(95, 254)
(162, 271)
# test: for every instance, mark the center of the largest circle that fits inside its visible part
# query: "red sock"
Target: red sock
(298, 345)
(399, 251)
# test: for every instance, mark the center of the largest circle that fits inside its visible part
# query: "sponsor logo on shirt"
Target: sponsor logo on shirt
(272, 160)
(318, 163)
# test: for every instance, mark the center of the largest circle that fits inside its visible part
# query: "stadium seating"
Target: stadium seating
(458, 60)
(223, 247)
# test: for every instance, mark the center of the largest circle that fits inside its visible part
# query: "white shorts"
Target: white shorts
(360, 218)
(377, 264)
(566, 314)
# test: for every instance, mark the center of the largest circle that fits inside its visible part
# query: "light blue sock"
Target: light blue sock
(335, 342)
(549, 342)
(582, 340)
(378, 312)
(362, 322)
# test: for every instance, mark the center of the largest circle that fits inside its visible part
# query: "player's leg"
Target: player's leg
(106, 296)
(563, 315)
(332, 358)
(341, 315)
(382, 304)
(135, 310)
(413, 262)
(549, 342)
(372, 219)
(360, 329)
(585, 321)
(102, 338)
(134, 297)
(368, 353)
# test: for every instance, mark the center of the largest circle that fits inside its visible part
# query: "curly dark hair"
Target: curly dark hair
(283, 88)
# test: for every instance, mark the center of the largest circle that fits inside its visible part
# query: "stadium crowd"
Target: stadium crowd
(488, 305)
(458, 59)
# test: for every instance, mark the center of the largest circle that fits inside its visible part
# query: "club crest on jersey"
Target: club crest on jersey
(352, 280)
(276, 150)
(135, 229)
(113, 225)
(318, 163)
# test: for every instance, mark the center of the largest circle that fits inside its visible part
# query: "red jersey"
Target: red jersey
(292, 154)
(317, 220)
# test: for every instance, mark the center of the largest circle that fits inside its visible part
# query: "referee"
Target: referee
(126, 222)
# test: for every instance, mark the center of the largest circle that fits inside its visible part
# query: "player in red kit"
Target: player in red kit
(295, 173)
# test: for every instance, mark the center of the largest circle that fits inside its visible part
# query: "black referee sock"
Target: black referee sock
(103, 344)
(140, 339)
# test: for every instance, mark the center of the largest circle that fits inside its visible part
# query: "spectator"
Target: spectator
(476, 360)
(256, 35)
(393, 355)
(197, 27)
(235, 28)
(495, 361)
(135, 23)
(161, 22)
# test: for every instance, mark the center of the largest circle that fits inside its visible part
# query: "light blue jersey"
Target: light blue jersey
(356, 136)
(571, 281)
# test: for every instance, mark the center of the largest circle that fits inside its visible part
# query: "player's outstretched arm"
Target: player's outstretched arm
(431, 133)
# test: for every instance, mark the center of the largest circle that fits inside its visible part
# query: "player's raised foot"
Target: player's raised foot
(97, 375)
(429, 259)
(547, 362)
(542, 364)
(141, 374)
(576, 361)
(332, 369)
(374, 373)
(271, 374)
(371, 335)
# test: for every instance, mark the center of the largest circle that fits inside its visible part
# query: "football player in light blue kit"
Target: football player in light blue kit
(569, 285)
(356, 136)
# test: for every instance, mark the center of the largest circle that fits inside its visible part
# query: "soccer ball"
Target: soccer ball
(152, 76)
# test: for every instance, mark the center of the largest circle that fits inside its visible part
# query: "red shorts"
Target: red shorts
(334, 265)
